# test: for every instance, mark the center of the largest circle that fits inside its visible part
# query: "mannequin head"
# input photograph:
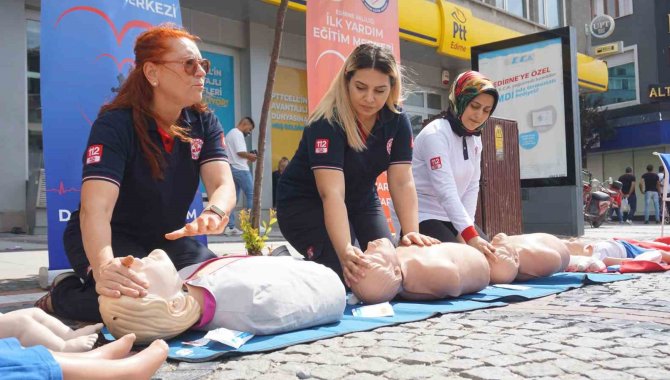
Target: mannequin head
(578, 247)
(383, 281)
(506, 268)
(163, 313)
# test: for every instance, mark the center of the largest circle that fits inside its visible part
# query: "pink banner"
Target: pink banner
(336, 27)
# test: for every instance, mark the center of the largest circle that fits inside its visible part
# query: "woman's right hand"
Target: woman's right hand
(353, 264)
(484, 247)
(113, 279)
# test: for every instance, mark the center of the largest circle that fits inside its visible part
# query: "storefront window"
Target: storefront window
(421, 106)
(614, 8)
(543, 12)
(622, 86)
(33, 74)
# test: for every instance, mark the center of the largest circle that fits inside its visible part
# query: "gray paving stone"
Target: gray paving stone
(553, 337)
(600, 374)
(490, 373)
(550, 346)
(422, 358)
(460, 364)
(429, 339)
(509, 348)
(638, 342)
(274, 376)
(259, 365)
(375, 366)
(447, 325)
(623, 363)
(363, 376)
(537, 369)
(184, 366)
(328, 358)
(662, 361)
(403, 337)
(282, 357)
(621, 351)
(234, 374)
(540, 356)
(395, 343)
(522, 340)
(589, 354)
(590, 342)
(452, 333)
(443, 348)
(384, 352)
(471, 343)
(304, 349)
(507, 324)
(420, 325)
(328, 372)
(538, 326)
(301, 370)
(474, 353)
(410, 372)
(358, 342)
(473, 322)
(650, 373)
(504, 360)
(573, 365)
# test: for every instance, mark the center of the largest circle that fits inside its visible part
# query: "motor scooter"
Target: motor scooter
(596, 202)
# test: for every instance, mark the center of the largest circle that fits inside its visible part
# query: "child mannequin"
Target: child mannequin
(33, 326)
(110, 361)
(586, 257)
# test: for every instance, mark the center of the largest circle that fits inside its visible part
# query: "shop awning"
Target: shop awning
(436, 24)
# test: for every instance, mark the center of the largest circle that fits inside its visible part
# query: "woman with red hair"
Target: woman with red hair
(146, 153)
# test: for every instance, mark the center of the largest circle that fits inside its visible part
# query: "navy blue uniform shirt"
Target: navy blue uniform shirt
(148, 208)
(325, 146)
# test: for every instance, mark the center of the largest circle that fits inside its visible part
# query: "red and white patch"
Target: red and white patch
(93, 154)
(223, 141)
(389, 145)
(321, 146)
(411, 142)
(436, 163)
(310, 252)
(196, 147)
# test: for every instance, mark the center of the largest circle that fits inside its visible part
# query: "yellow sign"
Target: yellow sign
(606, 49)
(500, 145)
(288, 112)
(659, 92)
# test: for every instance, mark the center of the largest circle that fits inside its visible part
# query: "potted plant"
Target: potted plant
(254, 241)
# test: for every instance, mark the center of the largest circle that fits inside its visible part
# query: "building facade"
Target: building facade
(636, 104)
(241, 31)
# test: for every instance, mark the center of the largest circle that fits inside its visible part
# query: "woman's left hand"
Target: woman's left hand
(208, 223)
(418, 239)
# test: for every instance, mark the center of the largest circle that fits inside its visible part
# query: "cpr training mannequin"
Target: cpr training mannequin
(111, 361)
(256, 294)
(33, 326)
(420, 273)
(527, 256)
(596, 256)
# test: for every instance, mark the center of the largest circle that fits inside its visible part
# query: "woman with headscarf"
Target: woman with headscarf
(446, 164)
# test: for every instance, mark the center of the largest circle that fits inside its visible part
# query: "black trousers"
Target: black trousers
(75, 297)
(302, 224)
(444, 231)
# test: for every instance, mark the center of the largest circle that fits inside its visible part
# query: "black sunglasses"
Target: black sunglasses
(191, 65)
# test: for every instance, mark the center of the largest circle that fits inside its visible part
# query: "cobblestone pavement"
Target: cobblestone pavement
(612, 331)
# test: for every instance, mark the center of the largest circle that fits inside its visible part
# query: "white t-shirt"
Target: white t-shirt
(447, 185)
(608, 248)
(234, 144)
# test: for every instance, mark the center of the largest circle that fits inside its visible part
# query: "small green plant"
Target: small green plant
(253, 240)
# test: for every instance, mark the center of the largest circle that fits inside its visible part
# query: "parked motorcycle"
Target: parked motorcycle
(596, 201)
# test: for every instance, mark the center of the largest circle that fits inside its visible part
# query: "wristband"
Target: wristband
(215, 210)
(469, 233)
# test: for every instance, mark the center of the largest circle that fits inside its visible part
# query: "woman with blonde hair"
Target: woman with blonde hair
(326, 198)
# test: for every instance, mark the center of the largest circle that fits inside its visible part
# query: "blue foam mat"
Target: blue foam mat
(404, 312)
(542, 287)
